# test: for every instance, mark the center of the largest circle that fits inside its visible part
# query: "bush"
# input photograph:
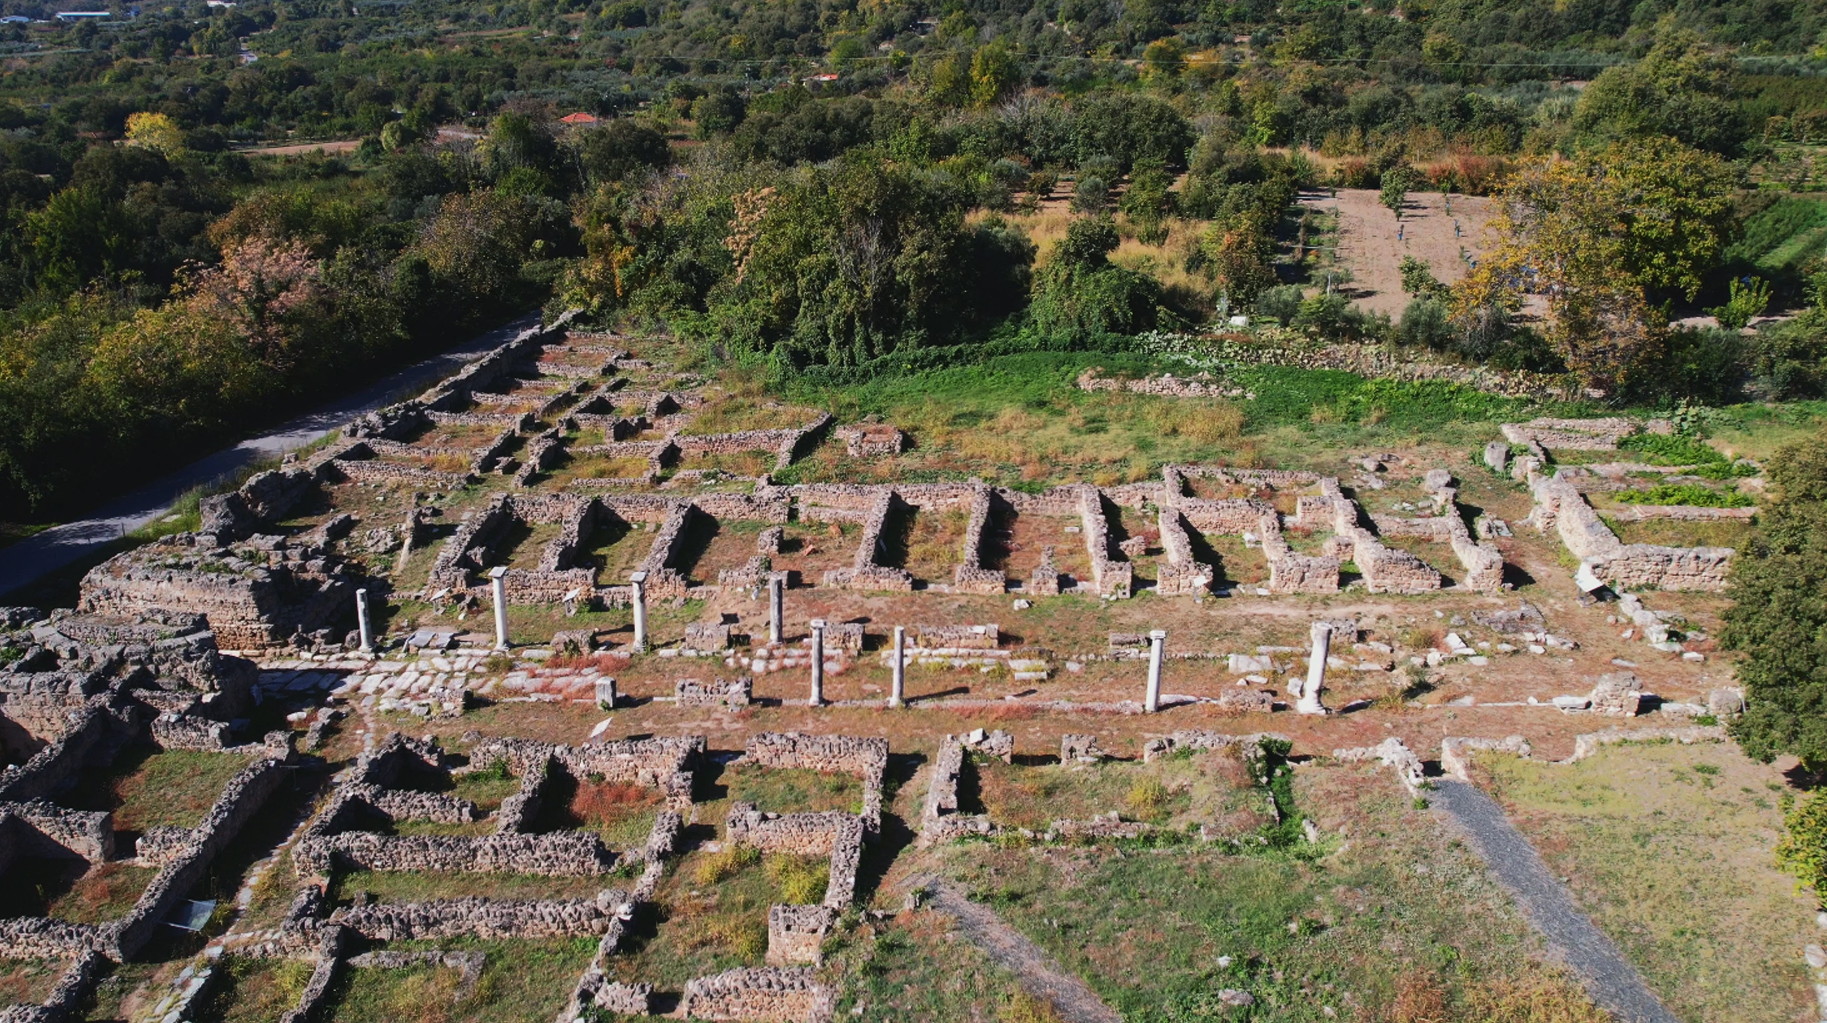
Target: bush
(1281, 304)
(720, 866)
(1802, 850)
(1424, 323)
(1671, 449)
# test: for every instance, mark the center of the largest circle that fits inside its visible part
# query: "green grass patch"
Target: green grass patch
(254, 991)
(793, 789)
(1694, 494)
(146, 787)
(1647, 833)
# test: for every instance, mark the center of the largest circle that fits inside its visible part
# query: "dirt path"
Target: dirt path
(1371, 242)
(1572, 938)
(1039, 975)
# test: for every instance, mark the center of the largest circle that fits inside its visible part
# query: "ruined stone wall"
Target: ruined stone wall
(728, 693)
(1290, 572)
(1181, 573)
(1164, 386)
(55, 767)
(864, 758)
(244, 796)
(1560, 506)
(357, 464)
(520, 809)
(782, 994)
(836, 835)
(663, 581)
(796, 932)
(662, 763)
(970, 576)
(44, 829)
(940, 820)
(254, 596)
(556, 854)
(1113, 578)
(954, 637)
(485, 919)
(264, 498)
(468, 548)
(865, 572)
(1572, 434)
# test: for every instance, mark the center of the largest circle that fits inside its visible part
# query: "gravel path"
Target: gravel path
(1608, 976)
(39, 555)
(1040, 976)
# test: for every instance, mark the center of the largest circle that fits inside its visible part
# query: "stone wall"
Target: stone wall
(865, 572)
(55, 767)
(1572, 434)
(834, 834)
(781, 994)
(864, 758)
(970, 576)
(1113, 578)
(940, 820)
(557, 854)
(254, 594)
(484, 919)
(728, 693)
(1561, 507)
(796, 932)
(1180, 573)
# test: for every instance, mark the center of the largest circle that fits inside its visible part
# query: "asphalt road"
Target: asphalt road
(29, 559)
(1608, 977)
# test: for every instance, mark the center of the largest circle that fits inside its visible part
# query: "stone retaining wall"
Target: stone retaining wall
(557, 854)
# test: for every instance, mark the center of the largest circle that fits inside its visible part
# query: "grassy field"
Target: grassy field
(254, 991)
(793, 790)
(711, 914)
(1181, 793)
(147, 788)
(521, 980)
(1670, 848)
(1386, 915)
(921, 968)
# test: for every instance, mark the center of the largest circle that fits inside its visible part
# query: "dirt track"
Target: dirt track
(1368, 242)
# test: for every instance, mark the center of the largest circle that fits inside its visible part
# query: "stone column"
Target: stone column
(497, 582)
(897, 696)
(1157, 646)
(638, 597)
(777, 607)
(818, 663)
(361, 620)
(1309, 702)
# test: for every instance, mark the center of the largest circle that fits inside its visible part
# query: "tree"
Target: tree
(1397, 181)
(1604, 238)
(1778, 614)
(1418, 279)
(1681, 89)
(621, 147)
(156, 132)
(993, 73)
(1081, 296)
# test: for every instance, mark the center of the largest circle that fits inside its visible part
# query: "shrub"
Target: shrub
(1146, 797)
(719, 866)
(800, 881)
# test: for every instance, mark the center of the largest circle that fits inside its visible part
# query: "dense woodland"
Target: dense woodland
(829, 186)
